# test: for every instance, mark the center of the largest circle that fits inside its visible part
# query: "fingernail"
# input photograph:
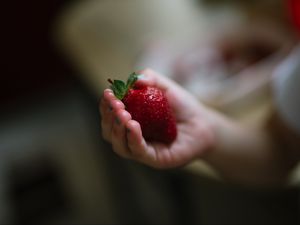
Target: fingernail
(108, 90)
(142, 77)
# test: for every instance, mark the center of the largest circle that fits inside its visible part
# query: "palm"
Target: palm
(191, 141)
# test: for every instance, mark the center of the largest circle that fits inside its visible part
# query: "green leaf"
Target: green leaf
(131, 80)
(119, 88)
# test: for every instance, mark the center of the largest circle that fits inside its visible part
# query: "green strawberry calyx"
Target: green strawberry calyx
(120, 88)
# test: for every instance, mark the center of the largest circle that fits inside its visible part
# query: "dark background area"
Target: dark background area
(33, 65)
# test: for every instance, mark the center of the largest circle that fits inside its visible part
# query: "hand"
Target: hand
(195, 134)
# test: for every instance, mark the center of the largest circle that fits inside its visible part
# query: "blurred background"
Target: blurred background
(54, 166)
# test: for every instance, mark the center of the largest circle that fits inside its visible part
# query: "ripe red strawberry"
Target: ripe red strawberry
(149, 106)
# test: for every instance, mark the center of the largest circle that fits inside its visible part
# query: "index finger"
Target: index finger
(152, 78)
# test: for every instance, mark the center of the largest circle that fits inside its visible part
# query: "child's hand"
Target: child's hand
(195, 134)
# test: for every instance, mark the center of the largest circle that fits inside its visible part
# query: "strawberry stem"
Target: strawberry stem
(119, 88)
(110, 81)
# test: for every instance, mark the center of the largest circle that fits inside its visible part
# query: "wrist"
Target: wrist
(208, 134)
(216, 124)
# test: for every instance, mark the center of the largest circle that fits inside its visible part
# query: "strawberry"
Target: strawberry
(149, 106)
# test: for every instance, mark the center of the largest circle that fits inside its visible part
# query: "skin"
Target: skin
(126, 136)
(241, 155)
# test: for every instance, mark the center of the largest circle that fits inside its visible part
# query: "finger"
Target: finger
(108, 105)
(119, 138)
(106, 119)
(111, 99)
(103, 106)
(156, 155)
(135, 140)
(152, 78)
(170, 87)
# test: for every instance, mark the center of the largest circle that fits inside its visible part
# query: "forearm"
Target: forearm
(246, 156)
